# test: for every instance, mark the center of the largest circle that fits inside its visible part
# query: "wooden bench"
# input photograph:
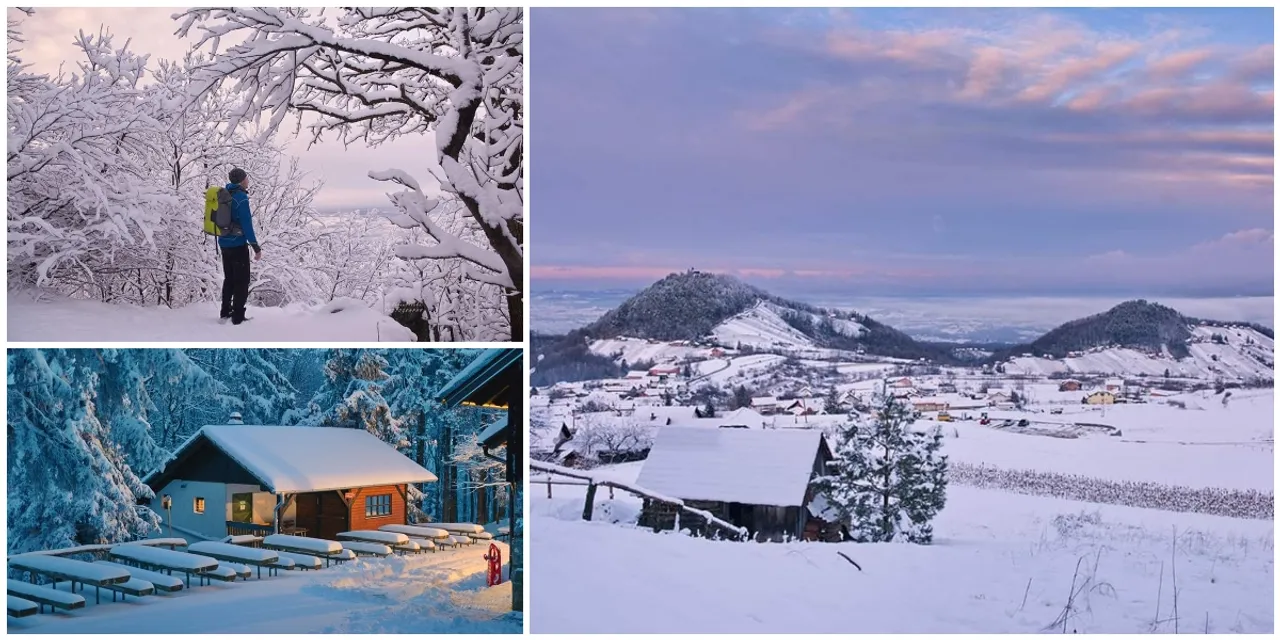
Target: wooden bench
(19, 608)
(225, 552)
(134, 587)
(367, 548)
(329, 550)
(299, 561)
(221, 573)
(44, 596)
(160, 581)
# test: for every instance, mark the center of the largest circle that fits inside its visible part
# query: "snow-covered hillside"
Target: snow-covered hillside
(763, 327)
(638, 349)
(1245, 353)
(1001, 563)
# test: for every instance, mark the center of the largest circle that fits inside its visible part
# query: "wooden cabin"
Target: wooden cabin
(251, 479)
(753, 478)
(496, 380)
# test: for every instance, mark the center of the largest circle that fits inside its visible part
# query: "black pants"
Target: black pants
(235, 282)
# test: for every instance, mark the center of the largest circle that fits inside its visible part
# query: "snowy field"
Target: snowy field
(1001, 563)
(442, 592)
(65, 320)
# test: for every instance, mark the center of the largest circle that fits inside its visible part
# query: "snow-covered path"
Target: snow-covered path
(441, 592)
(1001, 563)
(64, 320)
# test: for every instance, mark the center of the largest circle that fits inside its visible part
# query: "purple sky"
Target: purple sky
(917, 151)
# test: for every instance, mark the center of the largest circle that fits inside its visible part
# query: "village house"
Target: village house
(1069, 385)
(930, 404)
(753, 478)
(1114, 385)
(1100, 397)
(996, 397)
(765, 404)
(665, 371)
(901, 383)
(312, 481)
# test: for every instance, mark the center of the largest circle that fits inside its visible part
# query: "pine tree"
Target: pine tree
(741, 397)
(831, 403)
(69, 483)
(889, 481)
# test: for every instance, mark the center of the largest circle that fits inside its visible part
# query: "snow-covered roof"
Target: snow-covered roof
(749, 466)
(292, 459)
(764, 401)
(492, 436)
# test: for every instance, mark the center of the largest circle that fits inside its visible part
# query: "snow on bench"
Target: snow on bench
(483, 535)
(239, 569)
(241, 555)
(45, 596)
(416, 531)
(19, 608)
(161, 542)
(368, 548)
(301, 544)
(461, 539)
(344, 555)
(244, 539)
(164, 559)
(458, 527)
(134, 587)
(410, 546)
(384, 537)
(221, 572)
(299, 561)
(158, 580)
(70, 570)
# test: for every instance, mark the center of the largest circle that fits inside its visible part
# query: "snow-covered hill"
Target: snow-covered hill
(763, 327)
(1235, 353)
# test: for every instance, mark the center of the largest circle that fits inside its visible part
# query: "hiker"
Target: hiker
(235, 250)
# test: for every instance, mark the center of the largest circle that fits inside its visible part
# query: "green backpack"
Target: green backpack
(218, 220)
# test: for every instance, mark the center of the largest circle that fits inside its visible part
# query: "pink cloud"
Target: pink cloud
(1062, 75)
(1177, 65)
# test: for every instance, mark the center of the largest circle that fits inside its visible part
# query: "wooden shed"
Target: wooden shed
(312, 481)
(496, 380)
(754, 478)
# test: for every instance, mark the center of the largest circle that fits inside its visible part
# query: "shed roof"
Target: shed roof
(481, 382)
(303, 459)
(749, 466)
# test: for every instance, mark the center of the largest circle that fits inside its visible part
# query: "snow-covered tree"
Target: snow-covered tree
(69, 481)
(376, 74)
(887, 481)
(353, 398)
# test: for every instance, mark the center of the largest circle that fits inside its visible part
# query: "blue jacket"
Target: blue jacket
(243, 216)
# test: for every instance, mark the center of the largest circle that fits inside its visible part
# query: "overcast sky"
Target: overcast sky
(50, 34)
(931, 151)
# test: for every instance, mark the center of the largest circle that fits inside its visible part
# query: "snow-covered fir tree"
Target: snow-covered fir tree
(887, 481)
(69, 481)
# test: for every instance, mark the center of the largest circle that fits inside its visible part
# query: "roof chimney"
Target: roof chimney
(236, 418)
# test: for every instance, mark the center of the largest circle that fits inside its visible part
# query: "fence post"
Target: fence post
(548, 487)
(591, 500)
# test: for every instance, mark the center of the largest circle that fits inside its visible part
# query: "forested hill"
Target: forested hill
(1136, 324)
(85, 425)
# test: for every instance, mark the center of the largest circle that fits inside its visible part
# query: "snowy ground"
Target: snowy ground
(64, 320)
(442, 592)
(1000, 563)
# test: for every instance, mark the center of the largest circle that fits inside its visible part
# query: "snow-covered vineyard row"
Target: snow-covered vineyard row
(1232, 503)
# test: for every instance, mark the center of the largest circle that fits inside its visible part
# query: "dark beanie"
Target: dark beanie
(237, 175)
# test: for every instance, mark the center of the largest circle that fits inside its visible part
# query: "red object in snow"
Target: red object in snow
(495, 564)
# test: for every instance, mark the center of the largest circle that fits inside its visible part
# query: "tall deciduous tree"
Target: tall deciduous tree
(376, 74)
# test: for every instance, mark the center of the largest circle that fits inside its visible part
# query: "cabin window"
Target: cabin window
(377, 506)
(199, 505)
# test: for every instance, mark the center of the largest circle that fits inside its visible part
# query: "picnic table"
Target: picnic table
(367, 548)
(43, 596)
(382, 537)
(160, 581)
(328, 549)
(156, 559)
(133, 587)
(300, 561)
(19, 608)
(73, 571)
(458, 527)
(228, 552)
(415, 531)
